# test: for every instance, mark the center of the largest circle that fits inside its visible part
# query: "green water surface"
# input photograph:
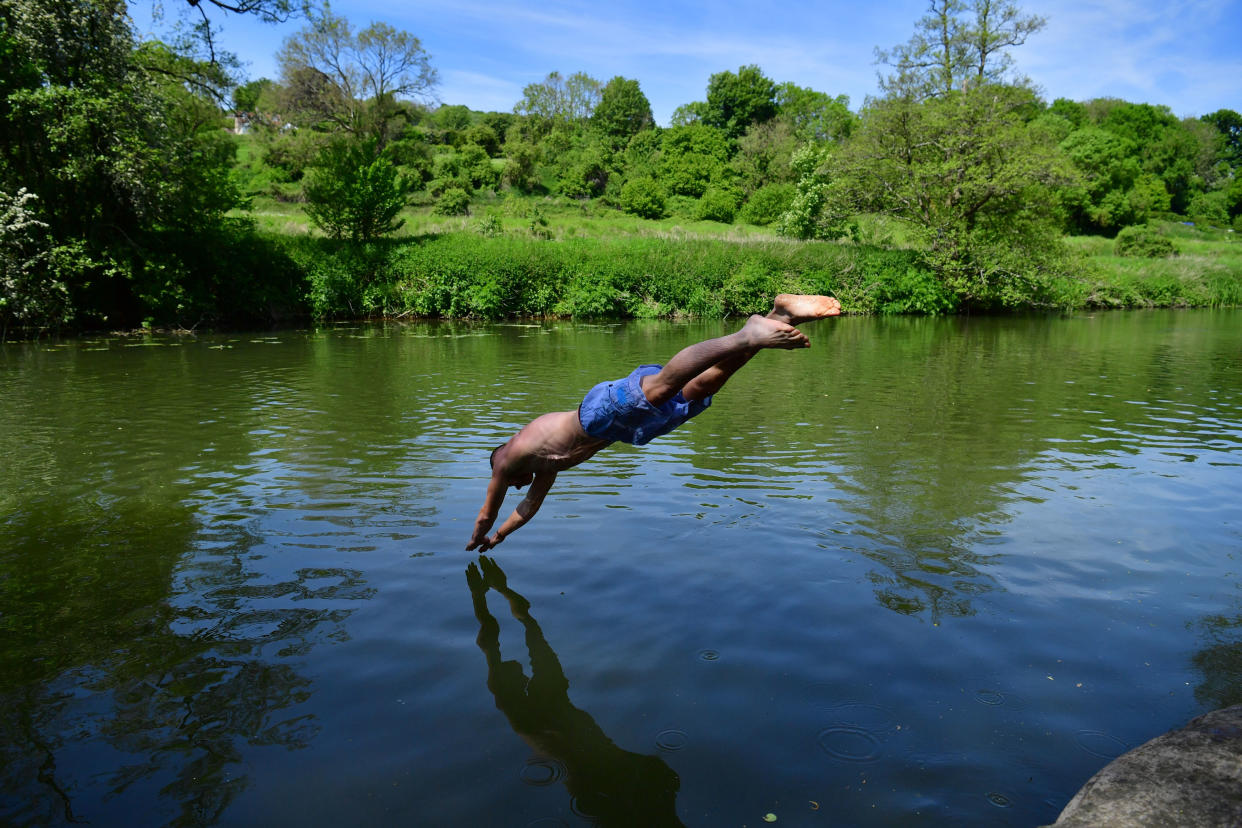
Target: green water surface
(930, 571)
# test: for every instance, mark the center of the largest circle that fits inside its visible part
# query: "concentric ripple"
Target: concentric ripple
(990, 697)
(1098, 743)
(850, 743)
(671, 740)
(540, 772)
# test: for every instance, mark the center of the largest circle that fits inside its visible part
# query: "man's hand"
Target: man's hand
(481, 540)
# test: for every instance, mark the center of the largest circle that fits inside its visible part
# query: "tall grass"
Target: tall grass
(529, 256)
(464, 274)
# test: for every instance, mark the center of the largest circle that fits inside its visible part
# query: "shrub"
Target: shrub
(750, 289)
(717, 205)
(588, 295)
(489, 226)
(414, 155)
(354, 193)
(1142, 241)
(454, 201)
(681, 207)
(911, 289)
(643, 197)
(476, 166)
(1209, 208)
(29, 295)
(767, 204)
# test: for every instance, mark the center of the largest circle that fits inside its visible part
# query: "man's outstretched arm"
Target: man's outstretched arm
(525, 510)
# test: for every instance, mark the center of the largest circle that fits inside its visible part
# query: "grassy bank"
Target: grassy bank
(1205, 272)
(543, 258)
(464, 274)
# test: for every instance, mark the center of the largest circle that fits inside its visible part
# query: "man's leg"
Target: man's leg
(703, 368)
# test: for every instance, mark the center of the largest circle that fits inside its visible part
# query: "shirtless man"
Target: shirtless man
(651, 401)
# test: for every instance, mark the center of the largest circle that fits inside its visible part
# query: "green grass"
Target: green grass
(607, 262)
(1207, 271)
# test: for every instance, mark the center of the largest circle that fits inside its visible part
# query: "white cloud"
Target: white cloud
(1147, 52)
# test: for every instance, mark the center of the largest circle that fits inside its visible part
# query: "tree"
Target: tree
(122, 151)
(584, 171)
(1111, 190)
(246, 96)
(687, 114)
(814, 115)
(354, 81)
(957, 43)
(764, 154)
(1157, 140)
(968, 175)
(204, 33)
(1074, 113)
(484, 136)
(557, 101)
(692, 157)
(735, 101)
(623, 111)
(1229, 124)
(353, 192)
(269, 11)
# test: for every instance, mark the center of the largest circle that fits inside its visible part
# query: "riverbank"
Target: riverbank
(553, 258)
(482, 267)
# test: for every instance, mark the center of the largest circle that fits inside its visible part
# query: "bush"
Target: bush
(454, 201)
(1142, 241)
(489, 226)
(681, 207)
(767, 204)
(414, 155)
(750, 289)
(1209, 208)
(912, 289)
(475, 165)
(643, 197)
(717, 205)
(29, 295)
(354, 193)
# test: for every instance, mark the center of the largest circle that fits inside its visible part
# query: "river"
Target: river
(929, 571)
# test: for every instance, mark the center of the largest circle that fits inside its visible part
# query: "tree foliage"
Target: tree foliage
(956, 44)
(121, 149)
(737, 100)
(623, 111)
(970, 177)
(1229, 124)
(353, 192)
(557, 101)
(815, 116)
(353, 80)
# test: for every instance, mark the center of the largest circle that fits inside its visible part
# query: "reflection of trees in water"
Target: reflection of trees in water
(609, 785)
(931, 429)
(1220, 661)
(121, 673)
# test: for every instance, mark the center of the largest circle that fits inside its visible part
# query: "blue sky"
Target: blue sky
(1185, 54)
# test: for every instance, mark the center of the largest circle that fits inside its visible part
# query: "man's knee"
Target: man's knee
(656, 389)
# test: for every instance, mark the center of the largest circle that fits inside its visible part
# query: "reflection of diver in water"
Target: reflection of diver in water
(613, 787)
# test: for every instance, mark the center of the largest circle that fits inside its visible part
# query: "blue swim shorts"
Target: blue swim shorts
(619, 410)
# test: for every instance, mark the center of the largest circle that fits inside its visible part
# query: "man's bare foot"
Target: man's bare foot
(763, 332)
(796, 309)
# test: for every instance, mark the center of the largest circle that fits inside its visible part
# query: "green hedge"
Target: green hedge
(469, 275)
(483, 276)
